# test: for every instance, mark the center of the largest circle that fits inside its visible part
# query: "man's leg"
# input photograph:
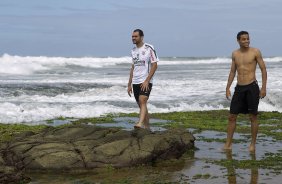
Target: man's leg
(143, 110)
(254, 130)
(146, 122)
(230, 131)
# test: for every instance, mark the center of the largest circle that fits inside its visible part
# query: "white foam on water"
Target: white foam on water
(202, 89)
(19, 65)
(163, 90)
(114, 93)
(31, 112)
(273, 59)
(184, 107)
(185, 95)
(272, 101)
(96, 102)
(198, 61)
(29, 64)
(43, 108)
(218, 60)
(12, 66)
(81, 80)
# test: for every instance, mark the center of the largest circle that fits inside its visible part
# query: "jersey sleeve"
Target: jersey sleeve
(153, 55)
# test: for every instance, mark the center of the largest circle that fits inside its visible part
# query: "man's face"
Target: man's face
(136, 38)
(244, 41)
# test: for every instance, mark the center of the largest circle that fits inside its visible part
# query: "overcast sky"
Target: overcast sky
(76, 28)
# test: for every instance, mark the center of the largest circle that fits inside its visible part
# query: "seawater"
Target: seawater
(34, 89)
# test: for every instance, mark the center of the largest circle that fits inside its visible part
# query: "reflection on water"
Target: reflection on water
(231, 171)
(160, 171)
(254, 172)
(204, 171)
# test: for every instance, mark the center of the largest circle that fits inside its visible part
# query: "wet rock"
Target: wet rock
(11, 174)
(88, 147)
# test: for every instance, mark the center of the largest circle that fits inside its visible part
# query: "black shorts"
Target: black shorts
(245, 99)
(137, 91)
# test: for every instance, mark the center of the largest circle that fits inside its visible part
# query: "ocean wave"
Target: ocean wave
(81, 87)
(273, 59)
(35, 113)
(87, 96)
(29, 64)
(187, 61)
(19, 65)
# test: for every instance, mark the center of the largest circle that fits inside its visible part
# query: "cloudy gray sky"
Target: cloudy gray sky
(76, 28)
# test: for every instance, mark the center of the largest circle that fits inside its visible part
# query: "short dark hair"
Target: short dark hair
(241, 33)
(139, 31)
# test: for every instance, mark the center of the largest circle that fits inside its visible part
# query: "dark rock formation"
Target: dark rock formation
(11, 174)
(88, 147)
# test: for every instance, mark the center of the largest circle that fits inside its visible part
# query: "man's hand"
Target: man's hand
(262, 93)
(145, 86)
(129, 90)
(228, 94)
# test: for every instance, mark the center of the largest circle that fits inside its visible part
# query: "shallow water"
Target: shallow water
(194, 167)
(209, 151)
(127, 123)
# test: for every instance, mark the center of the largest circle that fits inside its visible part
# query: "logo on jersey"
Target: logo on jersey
(136, 59)
(139, 62)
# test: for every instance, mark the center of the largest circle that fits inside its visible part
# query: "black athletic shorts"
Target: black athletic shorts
(245, 99)
(137, 91)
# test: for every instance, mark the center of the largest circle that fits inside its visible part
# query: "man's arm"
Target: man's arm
(263, 73)
(231, 77)
(145, 84)
(129, 86)
(154, 67)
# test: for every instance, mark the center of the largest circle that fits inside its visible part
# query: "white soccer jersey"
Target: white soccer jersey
(142, 58)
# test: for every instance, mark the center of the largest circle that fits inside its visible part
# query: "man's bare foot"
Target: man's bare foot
(252, 148)
(138, 125)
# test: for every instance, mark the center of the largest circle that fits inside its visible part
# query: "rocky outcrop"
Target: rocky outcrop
(11, 174)
(88, 147)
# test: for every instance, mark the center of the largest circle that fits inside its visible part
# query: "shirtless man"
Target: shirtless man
(247, 93)
(144, 65)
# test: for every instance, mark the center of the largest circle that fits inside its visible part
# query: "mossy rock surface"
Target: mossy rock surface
(90, 147)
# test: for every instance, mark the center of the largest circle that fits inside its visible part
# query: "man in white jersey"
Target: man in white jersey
(143, 68)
